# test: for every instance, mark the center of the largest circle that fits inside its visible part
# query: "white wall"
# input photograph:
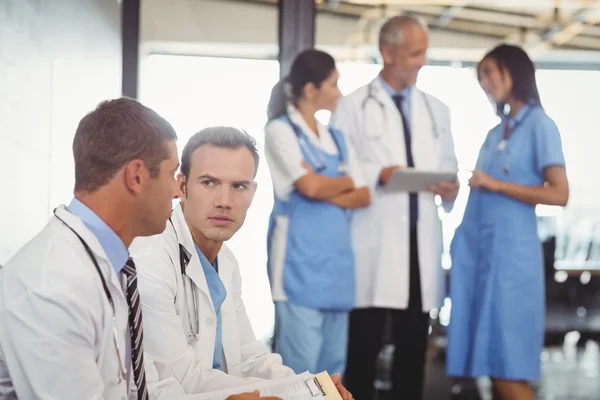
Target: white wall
(57, 60)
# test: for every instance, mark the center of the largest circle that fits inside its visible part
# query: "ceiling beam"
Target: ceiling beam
(449, 14)
(556, 34)
(479, 14)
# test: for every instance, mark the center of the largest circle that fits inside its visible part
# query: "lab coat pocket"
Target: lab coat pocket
(115, 389)
(366, 228)
(231, 342)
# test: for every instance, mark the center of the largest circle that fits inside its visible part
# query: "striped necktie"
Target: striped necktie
(135, 329)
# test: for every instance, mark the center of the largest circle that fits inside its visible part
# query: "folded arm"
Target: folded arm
(321, 187)
(357, 198)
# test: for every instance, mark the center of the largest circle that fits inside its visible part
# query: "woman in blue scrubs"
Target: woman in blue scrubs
(316, 181)
(497, 279)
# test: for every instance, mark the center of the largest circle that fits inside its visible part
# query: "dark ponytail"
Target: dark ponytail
(278, 101)
(309, 66)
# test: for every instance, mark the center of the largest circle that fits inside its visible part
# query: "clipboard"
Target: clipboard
(303, 386)
(322, 385)
(413, 181)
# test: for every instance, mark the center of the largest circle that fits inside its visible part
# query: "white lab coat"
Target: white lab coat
(56, 335)
(166, 324)
(381, 231)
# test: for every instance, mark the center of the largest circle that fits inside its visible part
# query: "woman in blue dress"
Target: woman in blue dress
(497, 280)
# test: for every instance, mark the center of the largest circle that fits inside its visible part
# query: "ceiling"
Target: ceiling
(537, 25)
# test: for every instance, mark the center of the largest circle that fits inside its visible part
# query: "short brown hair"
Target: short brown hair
(115, 133)
(222, 137)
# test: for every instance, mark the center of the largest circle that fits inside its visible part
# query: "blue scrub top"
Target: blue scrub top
(217, 295)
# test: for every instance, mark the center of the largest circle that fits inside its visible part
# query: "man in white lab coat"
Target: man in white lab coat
(67, 296)
(397, 239)
(197, 329)
(69, 304)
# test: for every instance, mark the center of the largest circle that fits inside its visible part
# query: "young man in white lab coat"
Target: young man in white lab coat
(66, 296)
(397, 239)
(197, 329)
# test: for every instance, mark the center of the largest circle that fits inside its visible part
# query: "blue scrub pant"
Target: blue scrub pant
(311, 340)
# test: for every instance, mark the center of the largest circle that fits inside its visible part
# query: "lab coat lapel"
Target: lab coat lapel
(381, 95)
(392, 131)
(194, 268)
(225, 268)
(231, 340)
(424, 146)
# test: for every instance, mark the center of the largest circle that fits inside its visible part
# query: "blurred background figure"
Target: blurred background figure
(497, 282)
(397, 239)
(317, 182)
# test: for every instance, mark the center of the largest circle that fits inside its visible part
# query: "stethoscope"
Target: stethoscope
(188, 286)
(122, 368)
(507, 132)
(372, 95)
(318, 160)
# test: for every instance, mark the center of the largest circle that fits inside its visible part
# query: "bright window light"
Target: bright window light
(196, 92)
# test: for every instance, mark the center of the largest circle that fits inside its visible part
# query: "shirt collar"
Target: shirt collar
(111, 243)
(204, 261)
(392, 92)
(297, 118)
(519, 115)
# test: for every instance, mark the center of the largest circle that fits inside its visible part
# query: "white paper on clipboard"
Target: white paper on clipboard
(299, 387)
(413, 180)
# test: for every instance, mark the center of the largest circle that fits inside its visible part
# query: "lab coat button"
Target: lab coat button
(210, 321)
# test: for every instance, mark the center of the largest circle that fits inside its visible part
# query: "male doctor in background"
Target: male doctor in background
(397, 239)
(197, 329)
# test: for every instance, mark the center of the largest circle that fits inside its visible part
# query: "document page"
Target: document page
(292, 388)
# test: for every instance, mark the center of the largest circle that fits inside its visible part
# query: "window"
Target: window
(570, 97)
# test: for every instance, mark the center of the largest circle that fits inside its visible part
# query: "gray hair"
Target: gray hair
(391, 31)
(223, 137)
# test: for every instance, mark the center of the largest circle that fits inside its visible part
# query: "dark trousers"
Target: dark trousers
(410, 330)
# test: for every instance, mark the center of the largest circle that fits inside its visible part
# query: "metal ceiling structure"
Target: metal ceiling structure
(537, 25)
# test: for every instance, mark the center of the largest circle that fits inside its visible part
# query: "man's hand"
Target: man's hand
(386, 174)
(346, 395)
(447, 190)
(251, 396)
